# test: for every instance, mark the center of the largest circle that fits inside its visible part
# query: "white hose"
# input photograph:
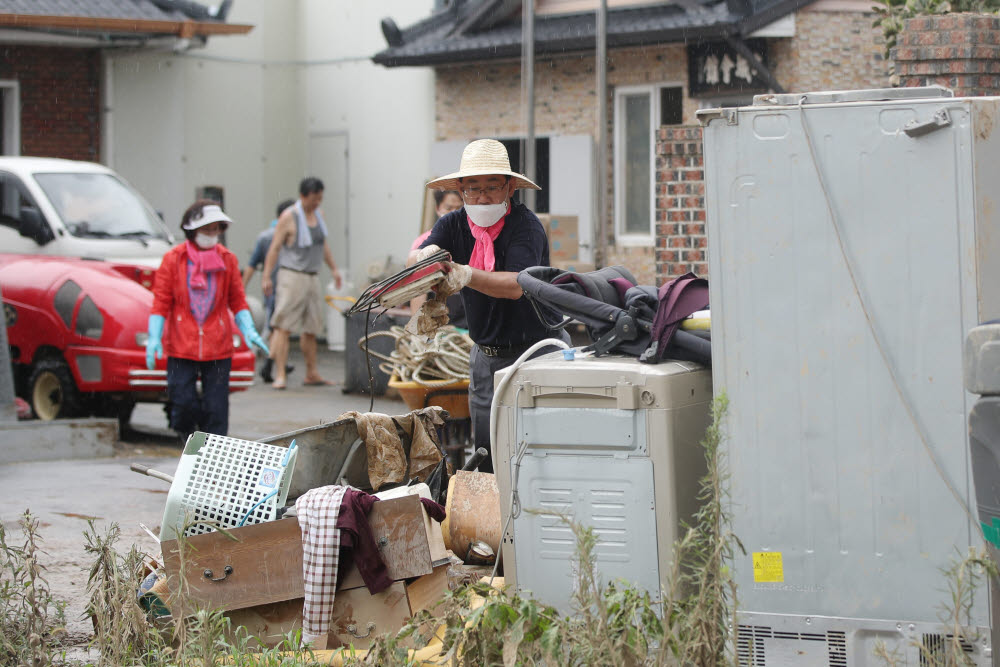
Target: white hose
(503, 385)
(520, 451)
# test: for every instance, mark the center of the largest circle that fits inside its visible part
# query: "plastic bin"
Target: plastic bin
(453, 397)
(355, 360)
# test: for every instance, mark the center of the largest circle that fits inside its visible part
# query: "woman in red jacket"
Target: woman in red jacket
(197, 285)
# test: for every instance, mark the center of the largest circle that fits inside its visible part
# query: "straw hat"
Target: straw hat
(483, 157)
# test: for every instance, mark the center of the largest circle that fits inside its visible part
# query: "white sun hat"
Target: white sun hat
(209, 214)
(483, 157)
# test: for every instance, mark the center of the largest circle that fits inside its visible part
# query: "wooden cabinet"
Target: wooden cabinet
(254, 573)
(240, 568)
(357, 618)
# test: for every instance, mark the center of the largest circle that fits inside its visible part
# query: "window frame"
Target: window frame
(652, 91)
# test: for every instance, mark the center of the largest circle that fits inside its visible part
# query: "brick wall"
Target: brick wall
(832, 49)
(60, 95)
(958, 51)
(681, 244)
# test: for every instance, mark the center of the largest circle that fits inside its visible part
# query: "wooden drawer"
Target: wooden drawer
(256, 565)
(265, 560)
(400, 533)
(357, 617)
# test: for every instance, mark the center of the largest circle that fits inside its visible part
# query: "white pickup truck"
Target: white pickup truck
(76, 209)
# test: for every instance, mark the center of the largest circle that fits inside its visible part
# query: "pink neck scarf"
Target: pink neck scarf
(205, 261)
(482, 253)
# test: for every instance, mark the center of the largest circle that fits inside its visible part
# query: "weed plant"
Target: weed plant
(32, 621)
(965, 576)
(612, 623)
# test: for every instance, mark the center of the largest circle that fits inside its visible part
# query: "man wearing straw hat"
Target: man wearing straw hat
(490, 239)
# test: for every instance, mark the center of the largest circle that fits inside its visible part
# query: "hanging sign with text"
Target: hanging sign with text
(715, 68)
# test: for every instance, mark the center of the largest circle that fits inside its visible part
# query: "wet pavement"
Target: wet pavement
(64, 495)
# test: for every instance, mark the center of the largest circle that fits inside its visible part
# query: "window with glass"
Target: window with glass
(94, 205)
(639, 111)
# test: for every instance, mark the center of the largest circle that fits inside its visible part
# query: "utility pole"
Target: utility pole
(601, 205)
(528, 81)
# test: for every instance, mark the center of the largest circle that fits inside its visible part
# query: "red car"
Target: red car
(77, 335)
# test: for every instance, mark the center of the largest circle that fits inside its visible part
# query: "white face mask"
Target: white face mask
(486, 215)
(205, 242)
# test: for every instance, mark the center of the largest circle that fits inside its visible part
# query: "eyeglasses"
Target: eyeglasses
(489, 190)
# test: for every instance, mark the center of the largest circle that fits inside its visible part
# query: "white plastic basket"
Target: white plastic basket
(226, 482)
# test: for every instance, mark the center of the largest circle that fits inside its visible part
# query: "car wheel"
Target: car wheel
(52, 390)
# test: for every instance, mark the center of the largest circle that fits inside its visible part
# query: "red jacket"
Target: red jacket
(182, 336)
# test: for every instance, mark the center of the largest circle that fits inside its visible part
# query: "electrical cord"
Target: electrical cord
(370, 296)
(893, 374)
(523, 446)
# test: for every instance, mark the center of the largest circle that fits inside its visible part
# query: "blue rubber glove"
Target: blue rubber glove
(245, 322)
(154, 340)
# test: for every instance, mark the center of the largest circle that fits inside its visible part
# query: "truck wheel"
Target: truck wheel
(52, 390)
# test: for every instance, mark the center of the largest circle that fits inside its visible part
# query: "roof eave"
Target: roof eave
(680, 35)
(184, 29)
(771, 14)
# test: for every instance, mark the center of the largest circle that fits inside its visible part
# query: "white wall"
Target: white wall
(388, 115)
(240, 112)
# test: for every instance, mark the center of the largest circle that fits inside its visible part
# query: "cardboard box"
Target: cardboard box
(563, 234)
(574, 266)
(564, 240)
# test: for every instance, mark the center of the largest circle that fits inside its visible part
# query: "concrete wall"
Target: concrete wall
(386, 115)
(241, 114)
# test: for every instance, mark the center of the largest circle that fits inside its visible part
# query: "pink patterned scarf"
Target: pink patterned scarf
(205, 261)
(482, 253)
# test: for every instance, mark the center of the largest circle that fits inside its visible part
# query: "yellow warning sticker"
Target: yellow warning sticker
(767, 567)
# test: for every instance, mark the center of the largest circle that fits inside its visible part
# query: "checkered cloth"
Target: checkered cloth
(318, 510)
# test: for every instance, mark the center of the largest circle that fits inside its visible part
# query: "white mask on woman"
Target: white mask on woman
(486, 215)
(205, 241)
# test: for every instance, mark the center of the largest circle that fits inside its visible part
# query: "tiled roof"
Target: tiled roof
(114, 9)
(432, 42)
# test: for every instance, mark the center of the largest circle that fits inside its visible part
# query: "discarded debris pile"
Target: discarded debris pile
(335, 529)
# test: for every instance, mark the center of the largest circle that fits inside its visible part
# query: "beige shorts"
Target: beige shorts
(298, 303)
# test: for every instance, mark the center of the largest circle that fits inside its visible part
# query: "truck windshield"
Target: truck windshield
(100, 206)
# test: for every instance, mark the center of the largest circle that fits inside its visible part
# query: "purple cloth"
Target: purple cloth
(357, 542)
(678, 299)
(622, 286)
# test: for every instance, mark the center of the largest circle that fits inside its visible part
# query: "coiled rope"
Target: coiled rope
(440, 361)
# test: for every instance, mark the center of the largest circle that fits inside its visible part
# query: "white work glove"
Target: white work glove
(424, 253)
(458, 276)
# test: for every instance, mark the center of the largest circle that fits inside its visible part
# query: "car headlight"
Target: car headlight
(141, 338)
(236, 340)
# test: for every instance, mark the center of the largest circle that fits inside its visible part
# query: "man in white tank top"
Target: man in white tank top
(298, 249)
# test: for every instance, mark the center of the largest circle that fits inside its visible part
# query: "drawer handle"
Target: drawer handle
(353, 629)
(228, 571)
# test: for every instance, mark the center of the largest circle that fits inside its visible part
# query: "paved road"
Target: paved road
(63, 495)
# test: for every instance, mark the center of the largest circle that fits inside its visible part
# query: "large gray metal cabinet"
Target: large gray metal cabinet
(847, 434)
(609, 442)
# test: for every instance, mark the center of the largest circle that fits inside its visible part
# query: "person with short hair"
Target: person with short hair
(298, 250)
(196, 287)
(255, 264)
(491, 239)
